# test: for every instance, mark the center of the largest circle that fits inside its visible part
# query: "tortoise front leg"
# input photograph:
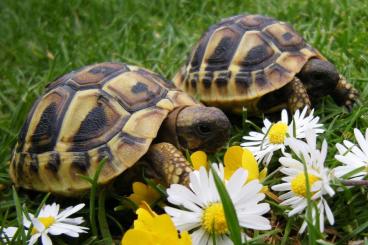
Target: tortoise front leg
(344, 93)
(298, 96)
(169, 163)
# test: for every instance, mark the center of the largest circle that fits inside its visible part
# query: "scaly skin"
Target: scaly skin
(344, 93)
(299, 96)
(169, 163)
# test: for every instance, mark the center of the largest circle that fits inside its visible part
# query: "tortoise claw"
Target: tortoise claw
(345, 94)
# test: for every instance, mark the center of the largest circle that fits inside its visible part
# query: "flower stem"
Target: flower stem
(355, 182)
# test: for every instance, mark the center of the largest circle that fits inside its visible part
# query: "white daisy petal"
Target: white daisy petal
(329, 213)
(246, 199)
(34, 238)
(46, 239)
(51, 221)
(353, 156)
(70, 211)
(319, 176)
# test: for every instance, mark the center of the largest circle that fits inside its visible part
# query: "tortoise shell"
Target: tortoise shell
(107, 110)
(243, 58)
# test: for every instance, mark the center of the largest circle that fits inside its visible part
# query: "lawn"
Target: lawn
(41, 40)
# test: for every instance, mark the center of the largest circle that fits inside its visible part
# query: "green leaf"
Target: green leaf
(229, 210)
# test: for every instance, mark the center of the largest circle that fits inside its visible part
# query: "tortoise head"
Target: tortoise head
(202, 128)
(320, 77)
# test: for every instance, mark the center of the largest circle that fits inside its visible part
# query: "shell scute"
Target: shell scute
(285, 37)
(92, 76)
(220, 49)
(134, 91)
(106, 111)
(260, 54)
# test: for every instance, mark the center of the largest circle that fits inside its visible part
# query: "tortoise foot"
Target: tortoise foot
(298, 98)
(345, 94)
(169, 163)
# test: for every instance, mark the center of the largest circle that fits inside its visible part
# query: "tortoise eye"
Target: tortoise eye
(204, 129)
(318, 77)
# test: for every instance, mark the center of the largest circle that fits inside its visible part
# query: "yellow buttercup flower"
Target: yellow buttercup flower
(152, 229)
(143, 192)
(238, 157)
(199, 159)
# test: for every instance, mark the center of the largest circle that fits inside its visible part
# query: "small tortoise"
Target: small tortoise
(111, 111)
(262, 64)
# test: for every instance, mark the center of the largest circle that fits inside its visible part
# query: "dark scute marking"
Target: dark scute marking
(130, 139)
(104, 152)
(220, 50)
(206, 83)
(22, 136)
(54, 163)
(223, 79)
(224, 52)
(207, 80)
(200, 49)
(92, 125)
(34, 164)
(166, 82)
(20, 166)
(193, 82)
(81, 162)
(243, 80)
(102, 69)
(221, 82)
(287, 36)
(42, 138)
(139, 87)
(257, 55)
(261, 79)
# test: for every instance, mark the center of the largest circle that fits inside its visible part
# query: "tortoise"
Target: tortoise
(111, 111)
(262, 64)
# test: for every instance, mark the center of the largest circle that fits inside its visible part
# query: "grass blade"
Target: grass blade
(19, 212)
(229, 210)
(92, 203)
(104, 227)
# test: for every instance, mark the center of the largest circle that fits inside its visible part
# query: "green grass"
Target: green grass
(40, 40)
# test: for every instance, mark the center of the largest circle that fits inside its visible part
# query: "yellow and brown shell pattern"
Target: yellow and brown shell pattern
(107, 110)
(242, 58)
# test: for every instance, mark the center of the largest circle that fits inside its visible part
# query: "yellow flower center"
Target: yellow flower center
(277, 133)
(213, 219)
(299, 184)
(46, 221)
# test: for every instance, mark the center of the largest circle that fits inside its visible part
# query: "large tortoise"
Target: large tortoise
(262, 64)
(112, 111)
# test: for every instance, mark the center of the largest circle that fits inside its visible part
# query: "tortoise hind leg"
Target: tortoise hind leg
(344, 93)
(298, 96)
(169, 163)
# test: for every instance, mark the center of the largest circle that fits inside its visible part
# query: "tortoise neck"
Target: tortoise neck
(168, 130)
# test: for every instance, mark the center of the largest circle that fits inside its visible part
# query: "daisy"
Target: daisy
(354, 157)
(51, 221)
(272, 138)
(7, 234)
(319, 179)
(202, 213)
